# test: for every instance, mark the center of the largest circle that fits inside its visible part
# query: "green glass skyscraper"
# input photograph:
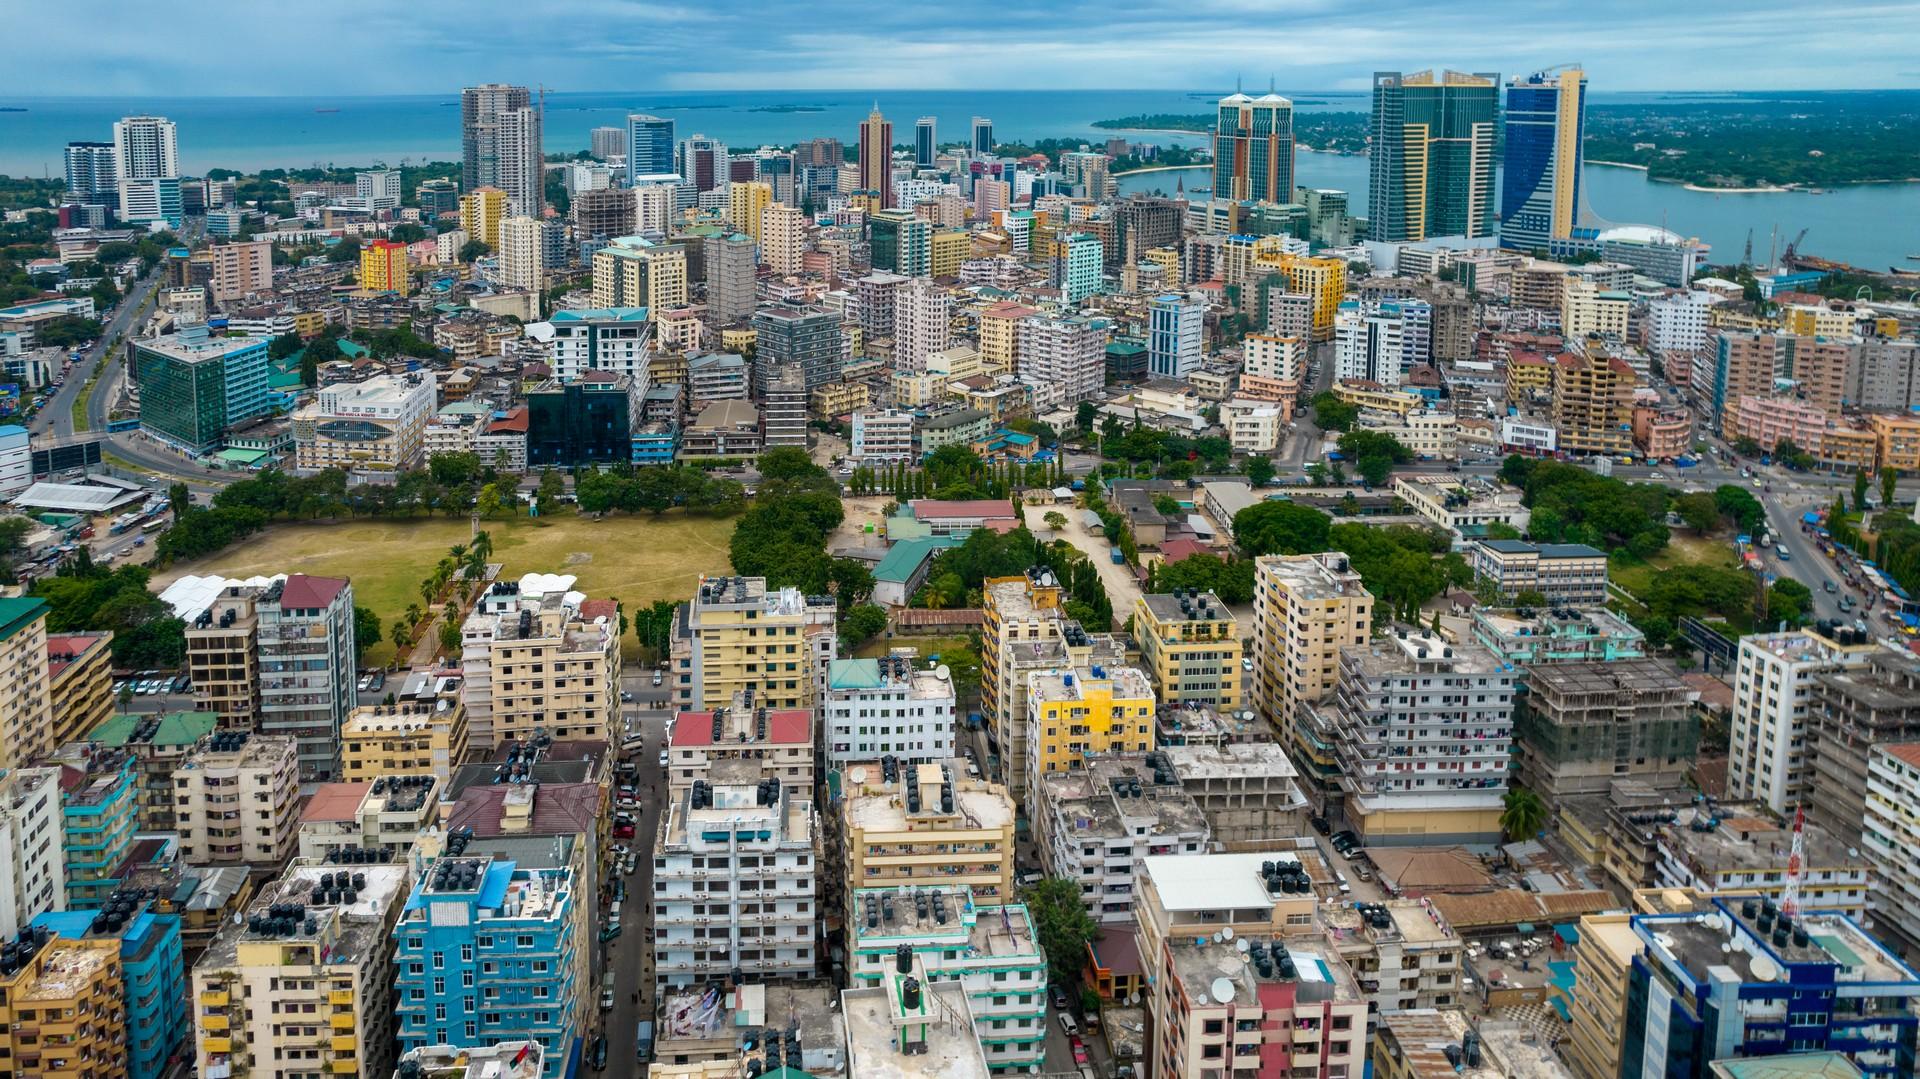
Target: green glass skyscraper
(1432, 155)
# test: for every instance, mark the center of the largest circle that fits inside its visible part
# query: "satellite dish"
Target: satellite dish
(1133, 998)
(1765, 969)
(1201, 998)
(941, 672)
(1242, 945)
(1220, 936)
(1222, 990)
(1227, 933)
(1726, 946)
(858, 775)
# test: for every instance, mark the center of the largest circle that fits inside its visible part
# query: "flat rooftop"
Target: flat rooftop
(1236, 760)
(977, 803)
(1097, 802)
(1408, 650)
(1746, 840)
(1320, 974)
(1213, 882)
(1204, 607)
(64, 971)
(873, 1049)
(888, 674)
(1014, 601)
(1697, 944)
(1128, 683)
(1425, 1035)
(350, 930)
(1317, 577)
(682, 1023)
(942, 913)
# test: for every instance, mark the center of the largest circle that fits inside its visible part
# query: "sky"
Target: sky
(232, 48)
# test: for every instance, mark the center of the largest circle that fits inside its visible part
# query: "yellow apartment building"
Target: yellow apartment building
(223, 658)
(999, 333)
(633, 272)
(1528, 373)
(537, 659)
(1305, 609)
(1593, 402)
(927, 823)
(742, 635)
(950, 248)
(746, 202)
(1190, 647)
(1321, 279)
(405, 738)
(63, 1015)
(1073, 712)
(1372, 395)
(1897, 442)
(840, 398)
(26, 711)
(481, 212)
(79, 683)
(1601, 959)
(275, 996)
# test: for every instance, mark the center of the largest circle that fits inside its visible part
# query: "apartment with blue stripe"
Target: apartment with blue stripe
(153, 973)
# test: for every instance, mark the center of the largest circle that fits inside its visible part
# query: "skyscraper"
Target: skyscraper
(91, 175)
(500, 145)
(876, 156)
(1540, 183)
(1253, 149)
(729, 266)
(1432, 157)
(923, 142)
(649, 146)
(144, 148)
(605, 142)
(703, 161)
(982, 135)
(1173, 336)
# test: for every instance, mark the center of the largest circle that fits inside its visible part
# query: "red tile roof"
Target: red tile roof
(1174, 550)
(599, 608)
(514, 420)
(926, 508)
(1906, 752)
(66, 649)
(785, 726)
(302, 591)
(335, 801)
(557, 808)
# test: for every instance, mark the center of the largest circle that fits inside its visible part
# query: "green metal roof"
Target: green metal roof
(17, 613)
(176, 728)
(906, 556)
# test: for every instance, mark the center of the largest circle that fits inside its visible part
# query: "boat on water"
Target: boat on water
(326, 110)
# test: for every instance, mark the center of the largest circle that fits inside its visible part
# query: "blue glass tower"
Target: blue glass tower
(1540, 180)
(649, 146)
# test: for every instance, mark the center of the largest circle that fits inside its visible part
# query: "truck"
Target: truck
(643, 1042)
(1119, 559)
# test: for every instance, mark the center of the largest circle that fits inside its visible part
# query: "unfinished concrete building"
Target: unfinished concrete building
(1583, 725)
(1849, 712)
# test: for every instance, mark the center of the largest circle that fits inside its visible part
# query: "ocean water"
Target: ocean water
(1871, 225)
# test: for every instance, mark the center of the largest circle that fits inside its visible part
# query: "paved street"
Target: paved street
(630, 955)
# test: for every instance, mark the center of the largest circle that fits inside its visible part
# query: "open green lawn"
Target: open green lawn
(636, 559)
(1684, 549)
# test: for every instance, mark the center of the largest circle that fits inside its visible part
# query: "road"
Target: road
(1122, 589)
(630, 955)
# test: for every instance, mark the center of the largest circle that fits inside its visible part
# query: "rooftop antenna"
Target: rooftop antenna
(1796, 859)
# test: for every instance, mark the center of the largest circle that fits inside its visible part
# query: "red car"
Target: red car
(1079, 1049)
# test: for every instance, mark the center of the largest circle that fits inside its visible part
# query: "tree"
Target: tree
(284, 345)
(1259, 471)
(862, 622)
(474, 249)
(547, 500)
(1524, 816)
(1888, 481)
(1698, 511)
(309, 369)
(1084, 416)
(366, 630)
(406, 232)
(1789, 601)
(1055, 520)
(1280, 528)
(1859, 490)
(1166, 505)
(449, 636)
(1330, 413)
(1062, 925)
(1738, 505)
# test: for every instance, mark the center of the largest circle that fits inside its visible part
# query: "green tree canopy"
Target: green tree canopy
(1279, 527)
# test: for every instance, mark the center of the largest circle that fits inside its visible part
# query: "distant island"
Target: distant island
(787, 108)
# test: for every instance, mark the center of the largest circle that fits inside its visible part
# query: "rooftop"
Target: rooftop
(1187, 607)
(1059, 684)
(780, 726)
(894, 673)
(1316, 577)
(1744, 839)
(1409, 650)
(874, 1027)
(876, 806)
(64, 969)
(1213, 882)
(1207, 965)
(942, 914)
(1115, 797)
(349, 923)
(166, 729)
(335, 802)
(1426, 1035)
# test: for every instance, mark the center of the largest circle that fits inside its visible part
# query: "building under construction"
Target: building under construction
(1851, 711)
(1583, 725)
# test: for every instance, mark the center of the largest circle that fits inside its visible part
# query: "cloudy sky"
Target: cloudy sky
(226, 47)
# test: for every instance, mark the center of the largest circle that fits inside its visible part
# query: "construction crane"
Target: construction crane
(1796, 862)
(1793, 246)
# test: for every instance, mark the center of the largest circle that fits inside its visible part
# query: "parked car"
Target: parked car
(1079, 1049)
(1320, 825)
(657, 678)
(1067, 1023)
(1058, 996)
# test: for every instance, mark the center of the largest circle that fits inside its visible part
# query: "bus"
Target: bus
(154, 525)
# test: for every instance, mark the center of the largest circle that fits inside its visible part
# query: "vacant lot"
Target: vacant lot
(635, 559)
(1683, 549)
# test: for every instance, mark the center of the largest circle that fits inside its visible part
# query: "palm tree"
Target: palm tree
(1524, 816)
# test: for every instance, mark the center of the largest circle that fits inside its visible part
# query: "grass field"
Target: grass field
(636, 559)
(1683, 549)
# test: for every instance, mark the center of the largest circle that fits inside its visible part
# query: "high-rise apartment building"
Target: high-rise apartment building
(145, 148)
(307, 666)
(99, 810)
(245, 269)
(475, 934)
(743, 635)
(1322, 280)
(752, 851)
(746, 201)
(1368, 345)
(1190, 648)
(237, 799)
(876, 158)
(1076, 265)
(1433, 137)
(615, 339)
(481, 211)
(605, 212)
(633, 271)
(649, 146)
(1585, 724)
(92, 176)
(539, 659)
(1272, 367)
(500, 146)
(1593, 401)
(1423, 734)
(729, 266)
(522, 253)
(909, 823)
(900, 242)
(308, 970)
(373, 427)
(26, 711)
(1067, 356)
(65, 1010)
(1773, 689)
(922, 318)
(33, 868)
(377, 190)
(383, 266)
(1026, 631)
(1541, 164)
(703, 162)
(1253, 149)
(1079, 712)
(1306, 608)
(887, 707)
(783, 238)
(1174, 325)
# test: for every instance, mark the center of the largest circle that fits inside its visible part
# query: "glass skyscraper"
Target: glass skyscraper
(1253, 149)
(1432, 156)
(1540, 180)
(649, 146)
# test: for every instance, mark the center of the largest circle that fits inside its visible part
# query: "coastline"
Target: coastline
(1616, 164)
(1164, 168)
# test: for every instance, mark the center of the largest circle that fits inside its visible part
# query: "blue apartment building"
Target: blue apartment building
(487, 951)
(99, 809)
(152, 969)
